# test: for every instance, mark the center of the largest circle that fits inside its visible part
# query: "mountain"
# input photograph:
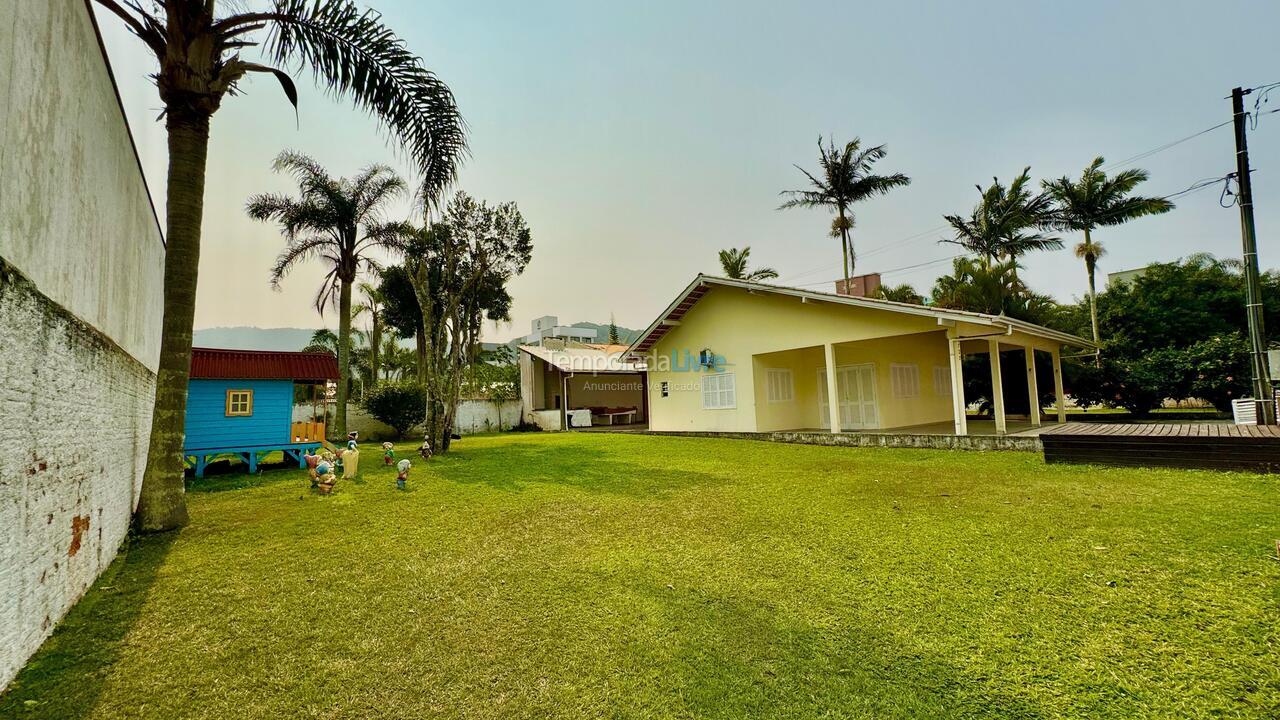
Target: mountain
(253, 338)
(626, 335)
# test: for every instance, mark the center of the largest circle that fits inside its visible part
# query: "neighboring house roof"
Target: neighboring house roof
(208, 363)
(586, 359)
(703, 283)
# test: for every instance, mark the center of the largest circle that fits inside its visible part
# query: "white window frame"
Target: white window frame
(942, 380)
(780, 386)
(725, 398)
(904, 378)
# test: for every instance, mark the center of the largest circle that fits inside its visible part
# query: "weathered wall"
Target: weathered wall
(81, 259)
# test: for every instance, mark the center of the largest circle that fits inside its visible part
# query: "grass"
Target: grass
(589, 575)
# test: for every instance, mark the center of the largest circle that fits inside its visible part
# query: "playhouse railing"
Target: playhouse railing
(306, 431)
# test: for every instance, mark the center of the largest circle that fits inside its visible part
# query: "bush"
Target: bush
(400, 405)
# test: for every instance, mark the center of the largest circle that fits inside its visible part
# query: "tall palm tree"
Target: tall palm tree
(349, 52)
(1094, 201)
(846, 178)
(733, 262)
(1006, 222)
(372, 306)
(338, 221)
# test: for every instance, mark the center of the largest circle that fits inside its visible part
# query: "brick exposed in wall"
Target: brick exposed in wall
(75, 413)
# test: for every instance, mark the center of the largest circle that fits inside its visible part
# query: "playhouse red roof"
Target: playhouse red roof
(262, 365)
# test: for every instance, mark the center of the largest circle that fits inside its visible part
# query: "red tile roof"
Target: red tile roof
(262, 365)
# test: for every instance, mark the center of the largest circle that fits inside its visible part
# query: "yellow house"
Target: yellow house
(735, 356)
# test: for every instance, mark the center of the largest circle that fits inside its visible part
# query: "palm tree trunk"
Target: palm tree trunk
(162, 503)
(344, 357)
(1091, 264)
(844, 249)
(375, 344)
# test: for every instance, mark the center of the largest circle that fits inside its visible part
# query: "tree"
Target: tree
(614, 338)
(733, 262)
(903, 293)
(1005, 223)
(1094, 201)
(338, 221)
(846, 178)
(351, 53)
(371, 306)
(1177, 331)
(994, 289)
(400, 405)
(458, 268)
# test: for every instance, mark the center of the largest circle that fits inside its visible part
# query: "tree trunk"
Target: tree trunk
(375, 342)
(344, 357)
(844, 248)
(162, 503)
(1090, 264)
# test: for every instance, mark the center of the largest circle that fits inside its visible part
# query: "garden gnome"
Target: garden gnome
(403, 475)
(312, 461)
(388, 453)
(425, 450)
(324, 473)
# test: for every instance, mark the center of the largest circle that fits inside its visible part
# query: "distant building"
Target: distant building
(1125, 276)
(547, 327)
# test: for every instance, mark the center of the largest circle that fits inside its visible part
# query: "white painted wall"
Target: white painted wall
(474, 416)
(81, 260)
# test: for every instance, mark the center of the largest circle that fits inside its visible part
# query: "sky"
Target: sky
(638, 139)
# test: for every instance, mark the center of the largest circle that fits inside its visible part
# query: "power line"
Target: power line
(1193, 188)
(1159, 149)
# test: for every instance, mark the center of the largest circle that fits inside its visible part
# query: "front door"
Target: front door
(856, 387)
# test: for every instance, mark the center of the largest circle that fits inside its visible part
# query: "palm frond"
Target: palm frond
(353, 53)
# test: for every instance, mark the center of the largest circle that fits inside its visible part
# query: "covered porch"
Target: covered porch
(581, 387)
(912, 384)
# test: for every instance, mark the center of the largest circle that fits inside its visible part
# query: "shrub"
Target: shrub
(400, 405)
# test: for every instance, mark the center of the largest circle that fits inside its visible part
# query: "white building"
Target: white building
(547, 327)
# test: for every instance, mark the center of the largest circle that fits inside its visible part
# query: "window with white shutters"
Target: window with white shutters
(779, 385)
(718, 392)
(941, 381)
(905, 380)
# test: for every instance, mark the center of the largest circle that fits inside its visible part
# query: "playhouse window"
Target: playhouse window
(239, 402)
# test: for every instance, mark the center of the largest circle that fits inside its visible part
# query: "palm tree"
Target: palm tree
(903, 293)
(371, 305)
(337, 220)
(846, 178)
(734, 264)
(1005, 223)
(1096, 200)
(348, 51)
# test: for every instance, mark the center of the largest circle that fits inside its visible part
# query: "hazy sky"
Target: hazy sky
(640, 138)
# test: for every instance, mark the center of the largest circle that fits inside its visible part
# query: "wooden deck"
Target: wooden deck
(1213, 446)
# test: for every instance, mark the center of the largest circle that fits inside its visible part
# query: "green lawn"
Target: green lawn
(589, 575)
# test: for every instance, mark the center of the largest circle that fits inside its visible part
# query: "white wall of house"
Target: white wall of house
(81, 258)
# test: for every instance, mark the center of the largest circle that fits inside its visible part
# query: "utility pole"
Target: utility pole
(1263, 397)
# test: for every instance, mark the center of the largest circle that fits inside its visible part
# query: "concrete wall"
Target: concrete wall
(81, 259)
(474, 416)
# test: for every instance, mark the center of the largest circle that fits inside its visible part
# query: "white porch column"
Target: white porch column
(958, 406)
(1033, 388)
(997, 385)
(1059, 396)
(833, 392)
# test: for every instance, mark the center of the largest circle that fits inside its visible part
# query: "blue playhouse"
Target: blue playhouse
(240, 404)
